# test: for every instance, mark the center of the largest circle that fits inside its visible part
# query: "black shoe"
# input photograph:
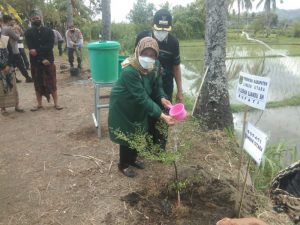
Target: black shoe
(138, 165)
(18, 81)
(127, 171)
(29, 80)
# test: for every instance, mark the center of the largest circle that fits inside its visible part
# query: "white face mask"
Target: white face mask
(146, 62)
(160, 35)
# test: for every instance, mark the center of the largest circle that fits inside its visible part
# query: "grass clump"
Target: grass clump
(275, 159)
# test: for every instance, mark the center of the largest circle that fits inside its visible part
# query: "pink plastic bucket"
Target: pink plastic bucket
(178, 111)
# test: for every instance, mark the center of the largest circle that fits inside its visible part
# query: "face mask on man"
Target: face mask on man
(36, 23)
(146, 62)
(160, 35)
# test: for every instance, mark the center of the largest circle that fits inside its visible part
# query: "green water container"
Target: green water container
(121, 59)
(104, 61)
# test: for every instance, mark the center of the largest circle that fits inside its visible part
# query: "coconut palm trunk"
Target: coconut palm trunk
(69, 13)
(213, 102)
(106, 20)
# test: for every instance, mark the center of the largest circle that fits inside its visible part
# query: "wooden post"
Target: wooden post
(241, 147)
(244, 187)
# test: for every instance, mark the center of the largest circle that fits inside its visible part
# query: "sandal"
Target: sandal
(19, 110)
(57, 107)
(37, 108)
(4, 113)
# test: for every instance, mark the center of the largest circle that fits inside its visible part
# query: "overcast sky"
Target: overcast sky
(121, 8)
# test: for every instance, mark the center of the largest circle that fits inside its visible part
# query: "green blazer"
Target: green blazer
(134, 98)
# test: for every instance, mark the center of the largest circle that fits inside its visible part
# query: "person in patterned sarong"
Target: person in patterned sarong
(8, 90)
(40, 41)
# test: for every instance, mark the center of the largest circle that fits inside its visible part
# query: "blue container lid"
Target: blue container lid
(104, 45)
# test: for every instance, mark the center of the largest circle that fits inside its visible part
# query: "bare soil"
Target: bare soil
(55, 170)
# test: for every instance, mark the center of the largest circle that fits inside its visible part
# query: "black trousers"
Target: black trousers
(127, 156)
(18, 62)
(24, 57)
(59, 46)
(71, 56)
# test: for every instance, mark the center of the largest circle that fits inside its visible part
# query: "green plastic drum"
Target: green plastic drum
(104, 61)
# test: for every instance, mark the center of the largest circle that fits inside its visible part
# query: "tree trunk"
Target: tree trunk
(268, 19)
(106, 20)
(239, 15)
(69, 13)
(213, 105)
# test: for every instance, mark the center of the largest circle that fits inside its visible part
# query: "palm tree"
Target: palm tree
(242, 4)
(268, 6)
(69, 13)
(106, 20)
(213, 102)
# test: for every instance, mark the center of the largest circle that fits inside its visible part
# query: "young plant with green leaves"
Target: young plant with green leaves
(143, 143)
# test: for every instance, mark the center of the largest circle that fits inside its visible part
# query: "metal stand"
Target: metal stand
(96, 116)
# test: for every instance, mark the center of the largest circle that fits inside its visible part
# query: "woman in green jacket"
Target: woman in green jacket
(133, 100)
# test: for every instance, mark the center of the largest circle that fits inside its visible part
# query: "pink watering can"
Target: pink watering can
(178, 111)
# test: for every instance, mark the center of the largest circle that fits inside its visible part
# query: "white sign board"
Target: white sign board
(255, 142)
(252, 90)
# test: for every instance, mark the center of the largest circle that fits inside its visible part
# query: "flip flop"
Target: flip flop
(57, 107)
(37, 108)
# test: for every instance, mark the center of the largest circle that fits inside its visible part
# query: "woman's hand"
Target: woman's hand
(168, 119)
(166, 103)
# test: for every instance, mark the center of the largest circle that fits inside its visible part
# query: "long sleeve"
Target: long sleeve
(47, 45)
(29, 40)
(134, 85)
(158, 89)
(59, 37)
(42, 40)
(12, 35)
(80, 41)
(70, 43)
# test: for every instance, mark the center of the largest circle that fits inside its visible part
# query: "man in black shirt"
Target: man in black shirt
(169, 58)
(169, 55)
(40, 41)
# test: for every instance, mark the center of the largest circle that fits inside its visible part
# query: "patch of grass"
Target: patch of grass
(237, 108)
(188, 102)
(293, 101)
(229, 131)
(275, 159)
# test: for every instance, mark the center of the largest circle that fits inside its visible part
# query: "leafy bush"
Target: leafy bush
(125, 34)
(296, 29)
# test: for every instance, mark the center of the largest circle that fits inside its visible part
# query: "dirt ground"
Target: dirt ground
(55, 170)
